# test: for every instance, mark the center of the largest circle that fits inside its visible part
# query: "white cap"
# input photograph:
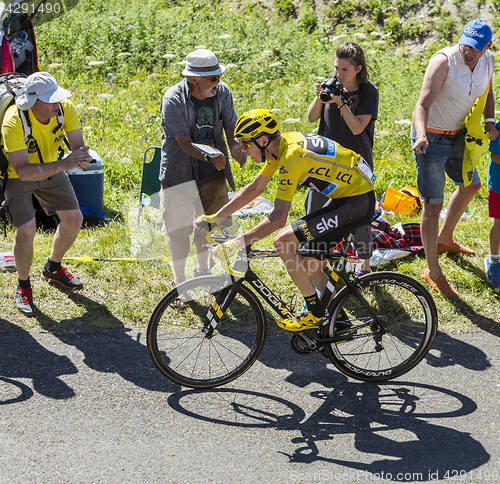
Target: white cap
(41, 85)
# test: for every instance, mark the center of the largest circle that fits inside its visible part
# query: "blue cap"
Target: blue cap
(476, 34)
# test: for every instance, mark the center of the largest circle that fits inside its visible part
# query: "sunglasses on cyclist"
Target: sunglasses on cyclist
(245, 144)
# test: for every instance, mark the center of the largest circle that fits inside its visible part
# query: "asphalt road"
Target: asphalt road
(91, 408)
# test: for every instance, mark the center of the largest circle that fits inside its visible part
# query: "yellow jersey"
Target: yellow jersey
(48, 140)
(320, 164)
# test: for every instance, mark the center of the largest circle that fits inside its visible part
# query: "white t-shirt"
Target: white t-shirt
(460, 89)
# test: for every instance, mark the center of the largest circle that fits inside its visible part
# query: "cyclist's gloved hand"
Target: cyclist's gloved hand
(225, 252)
(207, 223)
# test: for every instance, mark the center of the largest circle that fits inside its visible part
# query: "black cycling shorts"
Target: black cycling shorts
(335, 220)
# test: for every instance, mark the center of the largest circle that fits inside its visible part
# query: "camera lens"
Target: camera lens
(325, 95)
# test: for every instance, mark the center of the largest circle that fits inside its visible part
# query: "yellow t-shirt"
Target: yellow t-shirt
(48, 141)
(320, 164)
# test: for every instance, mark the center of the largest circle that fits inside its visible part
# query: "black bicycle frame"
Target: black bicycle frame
(227, 295)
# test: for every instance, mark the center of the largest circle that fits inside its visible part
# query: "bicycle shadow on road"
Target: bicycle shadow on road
(445, 351)
(386, 424)
(22, 356)
(391, 420)
(115, 350)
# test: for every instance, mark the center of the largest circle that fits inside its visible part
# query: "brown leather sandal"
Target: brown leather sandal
(440, 285)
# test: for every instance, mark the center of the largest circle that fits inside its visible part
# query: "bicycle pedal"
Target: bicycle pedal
(312, 334)
(309, 337)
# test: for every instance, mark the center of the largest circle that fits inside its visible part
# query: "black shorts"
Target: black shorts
(339, 218)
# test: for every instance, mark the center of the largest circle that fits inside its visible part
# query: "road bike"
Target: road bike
(381, 324)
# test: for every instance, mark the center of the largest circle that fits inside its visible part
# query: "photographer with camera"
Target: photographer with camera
(346, 105)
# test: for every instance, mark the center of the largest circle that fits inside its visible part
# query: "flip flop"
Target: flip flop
(179, 302)
(205, 272)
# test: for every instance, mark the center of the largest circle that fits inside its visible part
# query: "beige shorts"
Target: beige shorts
(54, 194)
(181, 204)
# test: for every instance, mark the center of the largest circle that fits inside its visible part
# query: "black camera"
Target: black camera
(331, 86)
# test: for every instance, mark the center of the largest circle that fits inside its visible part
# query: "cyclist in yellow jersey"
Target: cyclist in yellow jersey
(312, 161)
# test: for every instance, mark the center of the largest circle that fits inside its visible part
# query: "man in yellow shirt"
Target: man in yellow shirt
(317, 163)
(35, 167)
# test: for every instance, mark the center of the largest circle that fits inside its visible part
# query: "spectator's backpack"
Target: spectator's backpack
(11, 87)
(18, 44)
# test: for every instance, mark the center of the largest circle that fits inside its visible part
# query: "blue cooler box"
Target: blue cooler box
(89, 183)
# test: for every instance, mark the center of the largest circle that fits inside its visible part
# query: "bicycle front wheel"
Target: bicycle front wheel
(393, 342)
(185, 352)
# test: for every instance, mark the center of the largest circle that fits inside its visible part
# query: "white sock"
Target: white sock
(495, 257)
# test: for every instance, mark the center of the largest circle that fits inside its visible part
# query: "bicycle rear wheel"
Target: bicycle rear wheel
(178, 343)
(405, 327)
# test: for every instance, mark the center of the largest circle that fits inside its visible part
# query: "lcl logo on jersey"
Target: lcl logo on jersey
(324, 225)
(344, 177)
(325, 172)
(321, 171)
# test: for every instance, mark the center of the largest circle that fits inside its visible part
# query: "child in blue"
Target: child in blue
(492, 263)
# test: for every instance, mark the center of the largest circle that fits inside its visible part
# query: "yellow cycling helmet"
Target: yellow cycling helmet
(255, 122)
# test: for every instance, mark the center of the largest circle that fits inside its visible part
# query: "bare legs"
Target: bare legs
(179, 249)
(305, 273)
(430, 225)
(495, 237)
(66, 234)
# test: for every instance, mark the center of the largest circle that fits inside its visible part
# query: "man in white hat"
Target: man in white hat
(36, 168)
(199, 109)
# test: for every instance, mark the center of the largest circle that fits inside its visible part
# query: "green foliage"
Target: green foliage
(378, 8)
(435, 11)
(446, 28)
(284, 7)
(307, 18)
(343, 12)
(392, 25)
(120, 57)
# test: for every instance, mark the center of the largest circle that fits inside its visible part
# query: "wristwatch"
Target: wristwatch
(490, 120)
(207, 158)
